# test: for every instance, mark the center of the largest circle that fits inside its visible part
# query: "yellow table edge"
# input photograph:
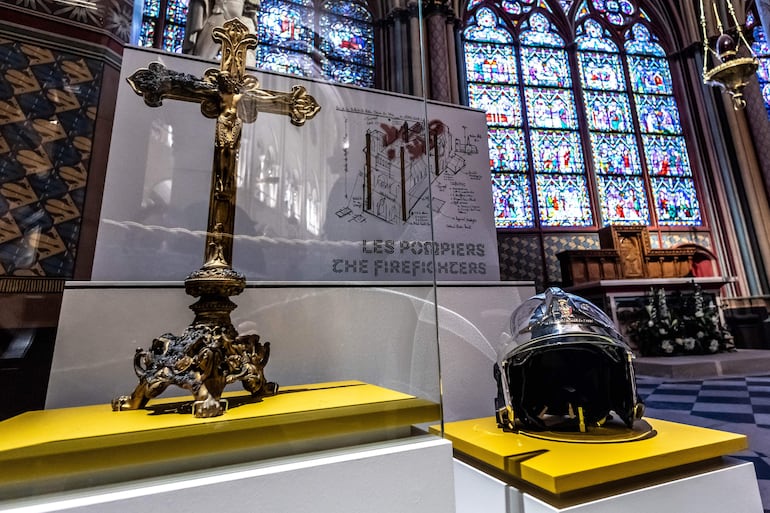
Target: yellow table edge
(562, 467)
(44, 444)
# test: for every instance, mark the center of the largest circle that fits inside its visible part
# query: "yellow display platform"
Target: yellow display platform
(564, 467)
(53, 450)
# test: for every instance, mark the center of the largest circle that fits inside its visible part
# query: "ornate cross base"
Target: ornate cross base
(209, 354)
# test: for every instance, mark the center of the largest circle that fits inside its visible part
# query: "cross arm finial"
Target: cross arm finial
(297, 103)
(156, 83)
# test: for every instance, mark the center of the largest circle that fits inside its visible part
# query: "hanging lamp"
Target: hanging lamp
(734, 68)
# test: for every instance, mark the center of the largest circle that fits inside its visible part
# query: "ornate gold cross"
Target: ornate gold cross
(210, 354)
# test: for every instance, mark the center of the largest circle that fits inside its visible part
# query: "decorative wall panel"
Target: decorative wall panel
(553, 244)
(674, 239)
(48, 106)
(520, 258)
(114, 16)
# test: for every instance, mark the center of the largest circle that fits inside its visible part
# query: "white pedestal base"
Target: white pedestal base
(408, 476)
(733, 488)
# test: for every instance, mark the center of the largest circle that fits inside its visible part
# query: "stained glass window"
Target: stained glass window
(518, 70)
(621, 190)
(558, 164)
(172, 27)
(331, 39)
(673, 188)
(563, 200)
(761, 49)
(490, 62)
(624, 199)
(615, 11)
(492, 74)
(347, 41)
(513, 200)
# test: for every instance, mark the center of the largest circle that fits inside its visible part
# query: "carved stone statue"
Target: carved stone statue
(203, 16)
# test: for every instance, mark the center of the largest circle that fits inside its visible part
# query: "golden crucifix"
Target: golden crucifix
(209, 354)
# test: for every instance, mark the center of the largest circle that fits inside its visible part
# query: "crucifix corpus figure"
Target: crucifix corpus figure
(210, 354)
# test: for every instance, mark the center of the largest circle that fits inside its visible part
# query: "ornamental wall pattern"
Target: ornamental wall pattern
(48, 107)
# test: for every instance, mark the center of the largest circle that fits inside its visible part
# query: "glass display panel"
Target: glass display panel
(500, 102)
(329, 280)
(608, 112)
(556, 152)
(615, 154)
(602, 71)
(513, 201)
(550, 108)
(365, 161)
(562, 200)
(489, 62)
(676, 202)
(623, 200)
(354, 195)
(545, 67)
(666, 155)
(658, 114)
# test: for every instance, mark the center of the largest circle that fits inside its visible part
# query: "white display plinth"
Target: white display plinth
(731, 487)
(408, 476)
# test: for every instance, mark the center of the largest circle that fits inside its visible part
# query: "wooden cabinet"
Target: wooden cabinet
(625, 253)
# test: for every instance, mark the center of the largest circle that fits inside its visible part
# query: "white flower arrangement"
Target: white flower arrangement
(679, 324)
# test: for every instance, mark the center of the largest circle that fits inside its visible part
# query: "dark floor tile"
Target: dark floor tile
(737, 386)
(722, 399)
(738, 418)
(676, 391)
(667, 405)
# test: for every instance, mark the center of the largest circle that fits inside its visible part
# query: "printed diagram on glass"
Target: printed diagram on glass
(399, 166)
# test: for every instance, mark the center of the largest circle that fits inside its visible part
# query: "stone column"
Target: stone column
(438, 57)
(454, 77)
(415, 48)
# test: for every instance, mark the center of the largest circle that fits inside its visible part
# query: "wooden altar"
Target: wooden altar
(625, 253)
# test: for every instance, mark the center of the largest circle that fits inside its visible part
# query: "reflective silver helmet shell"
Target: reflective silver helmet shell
(566, 368)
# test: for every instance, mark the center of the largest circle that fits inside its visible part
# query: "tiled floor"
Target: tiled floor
(738, 405)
